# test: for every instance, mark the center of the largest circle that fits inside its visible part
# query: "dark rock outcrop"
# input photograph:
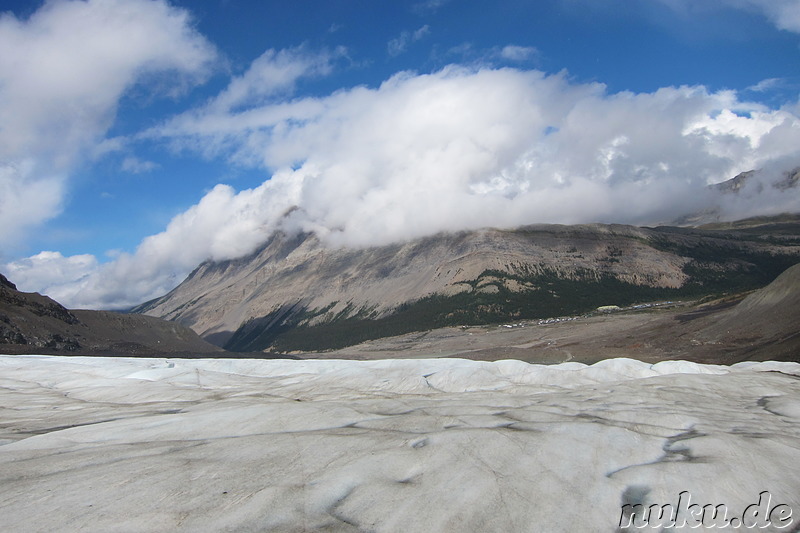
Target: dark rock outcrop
(33, 323)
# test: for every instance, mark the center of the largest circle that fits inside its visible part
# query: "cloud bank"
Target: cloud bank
(466, 148)
(456, 149)
(62, 74)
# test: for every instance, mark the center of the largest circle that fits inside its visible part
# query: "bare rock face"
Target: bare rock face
(291, 293)
(7, 284)
(735, 184)
(34, 320)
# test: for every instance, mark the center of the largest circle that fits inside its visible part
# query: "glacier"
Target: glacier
(428, 445)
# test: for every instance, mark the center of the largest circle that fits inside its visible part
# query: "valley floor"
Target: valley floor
(551, 341)
(657, 332)
(429, 445)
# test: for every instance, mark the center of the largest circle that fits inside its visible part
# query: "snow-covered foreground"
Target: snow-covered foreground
(137, 445)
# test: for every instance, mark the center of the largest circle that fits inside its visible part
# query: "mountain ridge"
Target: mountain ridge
(293, 293)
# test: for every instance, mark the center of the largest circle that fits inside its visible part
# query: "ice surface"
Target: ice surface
(137, 445)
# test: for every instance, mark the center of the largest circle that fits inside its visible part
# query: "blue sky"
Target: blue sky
(142, 137)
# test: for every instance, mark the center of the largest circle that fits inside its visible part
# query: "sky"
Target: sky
(139, 138)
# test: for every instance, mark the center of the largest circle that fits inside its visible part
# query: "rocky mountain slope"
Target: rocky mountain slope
(296, 294)
(765, 325)
(757, 326)
(788, 180)
(32, 323)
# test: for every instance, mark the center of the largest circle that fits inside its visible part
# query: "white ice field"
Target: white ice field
(438, 445)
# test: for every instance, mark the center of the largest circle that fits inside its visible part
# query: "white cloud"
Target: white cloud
(51, 273)
(259, 91)
(518, 53)
(767, 85)
(784, 14)
(28, 196)
(134, 165)
(223, 225)
(428, 6)
(62, 73)
(275, 72)
(400, 44)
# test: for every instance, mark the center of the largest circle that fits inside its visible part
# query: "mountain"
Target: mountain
(760, 325)
(735, 184)
(788, 180)
(296, 294)
(752, 183)
(32, 323)
(764, 325)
